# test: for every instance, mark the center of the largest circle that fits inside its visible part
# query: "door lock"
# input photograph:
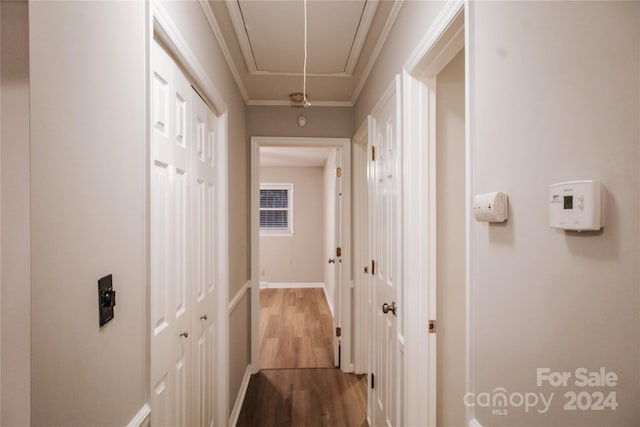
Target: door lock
(389, 308)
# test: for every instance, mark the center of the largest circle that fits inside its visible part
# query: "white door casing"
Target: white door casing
(342, 292)
(385, 248)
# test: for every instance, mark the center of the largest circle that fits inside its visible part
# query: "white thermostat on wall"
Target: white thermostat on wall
(491, 207)
(577, 205)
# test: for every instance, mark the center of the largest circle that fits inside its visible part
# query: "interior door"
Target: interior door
(170, 293)
(204, 260)
(338, 270)
(385, 248)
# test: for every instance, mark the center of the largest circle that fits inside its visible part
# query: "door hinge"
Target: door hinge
(373, 381)
(339, 172)
(373, 268)
(432, 326)
(373, 153)
(338, 331)
(338, 251)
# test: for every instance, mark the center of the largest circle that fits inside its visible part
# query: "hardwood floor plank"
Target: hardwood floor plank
(295, 329)
(305, 398)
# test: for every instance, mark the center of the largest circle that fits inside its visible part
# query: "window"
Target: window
(276, 209)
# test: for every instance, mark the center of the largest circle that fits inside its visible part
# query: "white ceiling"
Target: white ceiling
(263, 42)
(294, 156)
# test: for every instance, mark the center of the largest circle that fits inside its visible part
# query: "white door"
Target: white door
(170, 293)
(384, 223)
(203, 260)
(338, 270)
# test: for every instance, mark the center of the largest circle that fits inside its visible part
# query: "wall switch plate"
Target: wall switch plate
(106, 299)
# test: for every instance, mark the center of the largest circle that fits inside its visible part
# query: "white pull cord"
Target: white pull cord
(305, 103)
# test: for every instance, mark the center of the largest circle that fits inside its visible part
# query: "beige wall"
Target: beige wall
(450, 268)
(89, 163)
(15, 240)
(88, 199)
(327, 122)
(412, 23)
(554, 97)
(189, 17)
(296, 258)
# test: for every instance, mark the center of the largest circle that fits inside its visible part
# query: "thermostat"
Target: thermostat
(577, 205)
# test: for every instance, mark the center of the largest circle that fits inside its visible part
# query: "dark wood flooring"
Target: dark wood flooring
(305, 398)
(299, 385)
(295, 329)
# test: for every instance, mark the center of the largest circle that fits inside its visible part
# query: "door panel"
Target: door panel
(385, 247)
(183, 252)
(170, 305)
(204, 256)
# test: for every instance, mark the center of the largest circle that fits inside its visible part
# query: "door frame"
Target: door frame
(444, 39)
(162, 27)
(361, 290)
(343, 311)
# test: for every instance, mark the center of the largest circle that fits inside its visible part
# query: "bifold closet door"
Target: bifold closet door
(204, 259)
(183, 251)
(171, 299)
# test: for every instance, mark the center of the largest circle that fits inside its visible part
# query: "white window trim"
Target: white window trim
(279, 186)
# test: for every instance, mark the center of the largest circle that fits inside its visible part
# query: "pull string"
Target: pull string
(305, 103)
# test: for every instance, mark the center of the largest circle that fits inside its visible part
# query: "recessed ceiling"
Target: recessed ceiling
(263, 42)
(272, 35)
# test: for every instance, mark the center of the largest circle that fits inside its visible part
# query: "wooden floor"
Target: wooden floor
(295, 329)
(305, 398)
(296, 332)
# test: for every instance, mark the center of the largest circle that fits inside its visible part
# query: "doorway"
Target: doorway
(450, 242)
(297, 256)
(426, 247)
(339, 270)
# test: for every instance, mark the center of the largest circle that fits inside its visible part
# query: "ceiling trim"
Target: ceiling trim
(366, 19)
(241, 33)
(237, 19)
(213, 23)
(279, 103)
(397, 5)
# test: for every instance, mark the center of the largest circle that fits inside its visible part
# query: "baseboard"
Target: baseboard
(474, 423)
(237, 406)
(269, 285)
(329, 300)
(142, 418)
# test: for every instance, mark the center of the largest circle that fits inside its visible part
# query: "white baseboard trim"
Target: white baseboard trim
(238, 296)
(268, 285)
(329, 300)
(474, 423)
(237, 406)
(142, 418)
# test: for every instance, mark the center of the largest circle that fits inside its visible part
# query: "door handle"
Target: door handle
(203, 317)
(184, 334)
(332, 260)
(389, 308)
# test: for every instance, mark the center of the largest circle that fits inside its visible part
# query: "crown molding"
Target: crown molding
(391, 19)
(213, 23)
(280, 103)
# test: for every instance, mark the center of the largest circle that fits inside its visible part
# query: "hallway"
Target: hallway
(298, 385)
